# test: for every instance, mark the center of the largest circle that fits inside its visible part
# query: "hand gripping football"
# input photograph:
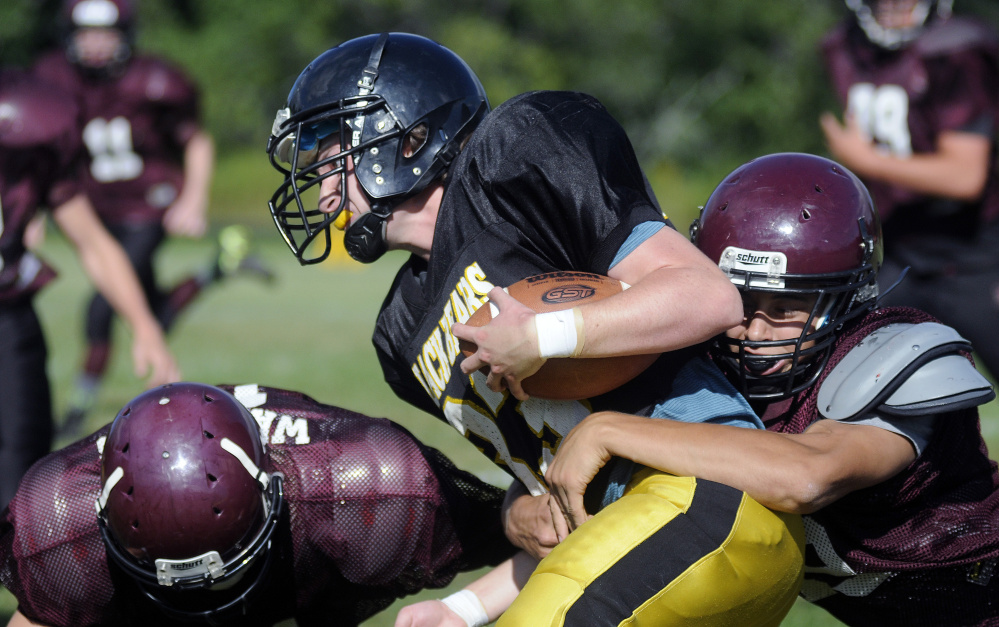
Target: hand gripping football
(564, 378)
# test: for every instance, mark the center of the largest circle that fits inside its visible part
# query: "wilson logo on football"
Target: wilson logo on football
(567, 294)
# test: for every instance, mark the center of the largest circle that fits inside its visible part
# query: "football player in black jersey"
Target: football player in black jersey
(390, 139)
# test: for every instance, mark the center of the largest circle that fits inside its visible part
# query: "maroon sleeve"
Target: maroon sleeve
(51, 556)
(375, 515)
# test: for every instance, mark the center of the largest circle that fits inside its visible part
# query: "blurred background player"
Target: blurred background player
(149, 170)
(40, 156)
(327, 520)
(920, 89)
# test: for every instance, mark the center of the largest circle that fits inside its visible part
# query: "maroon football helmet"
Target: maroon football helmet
(799, 224)
(186, 503)
(892, 38)
(118, 15)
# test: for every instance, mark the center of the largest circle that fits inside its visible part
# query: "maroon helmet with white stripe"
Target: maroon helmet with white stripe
(792, 223)
(186, 501)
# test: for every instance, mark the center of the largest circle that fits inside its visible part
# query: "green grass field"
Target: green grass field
(308, 331)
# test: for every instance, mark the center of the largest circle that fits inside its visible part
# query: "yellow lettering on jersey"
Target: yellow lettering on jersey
(440, 350)
(428, 358)
(460, 311)
(434, 389)
(477, 279)
(469, 417)
(467, 293)
(436, 343)
(450, 340)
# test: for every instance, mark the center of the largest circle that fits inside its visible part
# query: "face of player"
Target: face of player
(97, 47)
(895, 13)
(773, 317)
(340, 190)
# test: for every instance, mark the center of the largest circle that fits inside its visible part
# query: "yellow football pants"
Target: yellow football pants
(673, 551)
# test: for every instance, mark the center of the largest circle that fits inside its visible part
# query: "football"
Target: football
(565, 378)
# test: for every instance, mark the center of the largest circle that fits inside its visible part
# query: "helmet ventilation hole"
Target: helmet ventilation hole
(124, 449)
(130, 490)
(135, 524)
(818, 189)
(208, 434)
(723, 206)
(217, 510)
(806, 214)
(212, 478)
(209, 398)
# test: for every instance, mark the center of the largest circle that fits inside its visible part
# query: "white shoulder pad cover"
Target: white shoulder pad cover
(904, 369)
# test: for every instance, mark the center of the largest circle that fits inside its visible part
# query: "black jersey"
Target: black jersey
(549, 182)
(372, 516)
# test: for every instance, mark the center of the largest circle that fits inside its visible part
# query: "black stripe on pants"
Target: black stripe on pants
(648, 568)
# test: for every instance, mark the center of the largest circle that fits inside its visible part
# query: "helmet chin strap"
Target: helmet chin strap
(365, 238)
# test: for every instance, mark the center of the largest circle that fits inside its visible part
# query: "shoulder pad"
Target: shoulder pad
(904, 369)
(35, 114)
(150, 79)
(954, 35)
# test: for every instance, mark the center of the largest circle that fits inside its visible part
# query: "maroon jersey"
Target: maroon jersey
(371, 515)
(947, 80)
(39, 157)
(943, 510)
(136, 123)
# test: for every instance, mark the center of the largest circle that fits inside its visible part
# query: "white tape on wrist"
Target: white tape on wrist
(467, 605)
(559, 333)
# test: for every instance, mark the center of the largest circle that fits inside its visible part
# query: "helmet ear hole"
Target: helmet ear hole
(415, 140)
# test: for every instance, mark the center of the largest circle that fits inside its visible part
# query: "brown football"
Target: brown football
(565, 378)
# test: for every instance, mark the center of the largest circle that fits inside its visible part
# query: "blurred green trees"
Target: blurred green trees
(700, 85)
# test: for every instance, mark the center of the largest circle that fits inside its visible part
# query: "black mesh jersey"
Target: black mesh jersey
(372, 515)
(548, 182)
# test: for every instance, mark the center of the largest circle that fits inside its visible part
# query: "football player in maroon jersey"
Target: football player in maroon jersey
(389, 138)
(871, 412)
(40, 153)
(242, 506)
(149, 168)
(920, 91)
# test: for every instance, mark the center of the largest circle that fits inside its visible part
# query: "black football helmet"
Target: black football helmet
(370, 95)
(923, 13)
(800, 224)
(187, 510)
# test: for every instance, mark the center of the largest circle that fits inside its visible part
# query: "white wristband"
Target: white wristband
(559, 333)
(467, 605)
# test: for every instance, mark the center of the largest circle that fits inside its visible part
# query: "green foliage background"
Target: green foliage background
(701, 86)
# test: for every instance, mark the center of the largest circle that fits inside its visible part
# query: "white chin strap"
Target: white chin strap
(236, 451)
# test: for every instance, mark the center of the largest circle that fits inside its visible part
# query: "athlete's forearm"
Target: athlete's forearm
(796, 473)
(498, 588)
(958, 169)
(677, 298)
